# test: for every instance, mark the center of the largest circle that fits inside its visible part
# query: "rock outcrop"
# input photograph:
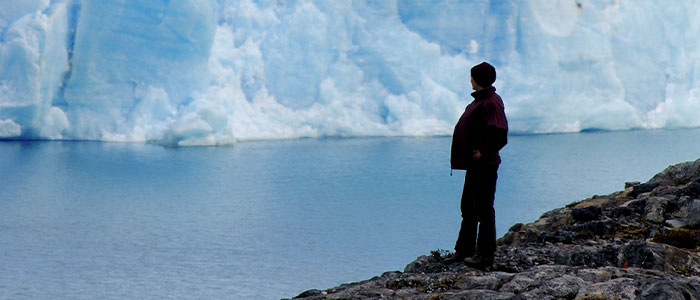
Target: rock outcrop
(640, 243)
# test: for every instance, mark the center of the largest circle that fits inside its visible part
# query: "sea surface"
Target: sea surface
(270, 219)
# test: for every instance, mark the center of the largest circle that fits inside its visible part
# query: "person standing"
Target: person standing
(480, 133)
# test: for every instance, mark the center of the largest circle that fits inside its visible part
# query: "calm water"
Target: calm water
(265, 220)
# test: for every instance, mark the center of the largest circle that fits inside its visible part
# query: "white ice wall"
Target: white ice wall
(33, 58)
(193, 72)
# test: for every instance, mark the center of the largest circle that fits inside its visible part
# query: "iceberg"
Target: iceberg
(214, 72)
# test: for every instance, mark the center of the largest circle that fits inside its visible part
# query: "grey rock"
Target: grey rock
(691, 190)
(655, 208)
(670, 290)
(687, 210)
(675, 223)
(310, 293)
(598, 248)
(631, 184)
(480, 294)
(565, 286)
(619, 288)
(644, 188)
(587, 213)
(492, 281)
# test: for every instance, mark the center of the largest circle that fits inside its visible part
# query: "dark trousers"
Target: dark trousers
(477, 209)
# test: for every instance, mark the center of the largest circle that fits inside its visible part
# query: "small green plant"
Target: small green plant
(694, 226)
(683, 271)
(585, 235)
(632, 233)
(679, 237)
(435, 297)
(441, 253)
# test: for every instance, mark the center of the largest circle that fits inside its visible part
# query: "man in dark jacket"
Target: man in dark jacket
(480, 133)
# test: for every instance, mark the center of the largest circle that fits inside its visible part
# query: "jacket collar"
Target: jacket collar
(484, 93)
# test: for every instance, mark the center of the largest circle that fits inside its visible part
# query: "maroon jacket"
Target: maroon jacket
(483, 126)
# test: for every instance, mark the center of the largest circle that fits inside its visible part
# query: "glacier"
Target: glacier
(214, 72)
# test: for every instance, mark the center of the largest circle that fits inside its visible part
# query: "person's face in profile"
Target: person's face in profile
(475, 86)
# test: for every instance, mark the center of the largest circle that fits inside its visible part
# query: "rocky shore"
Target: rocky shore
(640, 243)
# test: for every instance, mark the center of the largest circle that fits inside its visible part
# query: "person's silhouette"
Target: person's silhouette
(480, 133)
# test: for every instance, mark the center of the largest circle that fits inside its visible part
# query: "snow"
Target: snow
(205, 72)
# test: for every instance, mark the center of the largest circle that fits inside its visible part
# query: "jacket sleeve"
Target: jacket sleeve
(494, 140)
(495, 131)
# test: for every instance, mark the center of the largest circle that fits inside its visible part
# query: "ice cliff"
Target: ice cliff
(202, 72)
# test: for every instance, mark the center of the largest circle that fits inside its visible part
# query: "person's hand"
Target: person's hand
(476, 154)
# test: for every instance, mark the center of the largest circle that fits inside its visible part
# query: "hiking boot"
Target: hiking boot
(455, 258)
(479, 262)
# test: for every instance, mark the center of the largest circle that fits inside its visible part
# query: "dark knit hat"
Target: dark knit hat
(484, 74)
